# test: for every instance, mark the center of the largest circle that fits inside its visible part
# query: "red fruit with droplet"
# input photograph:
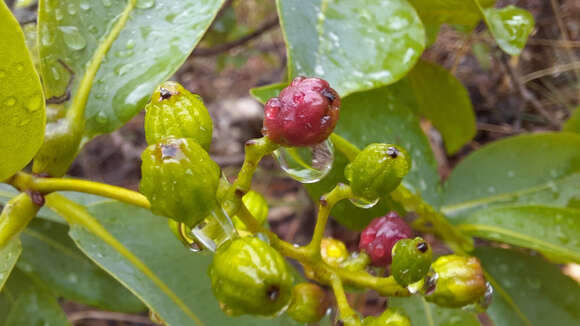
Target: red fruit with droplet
(380, 236)
(304, 114)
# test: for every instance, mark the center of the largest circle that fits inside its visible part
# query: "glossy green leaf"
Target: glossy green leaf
(552, 230)
(380, 115)
(510, 26)
(423, 313)
(458, 12)
(442, 99)
(265, 93)
(21, 100)
(115, 74)
(52, 258)
(354, 47)
(528, 290)
(26, 303)
(8, 257)
(533, 169)
(190, 300)
(573, 123)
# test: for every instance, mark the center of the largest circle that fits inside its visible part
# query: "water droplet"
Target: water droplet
(19, 67)
(73, 278)
(2, 74)
(58, 14)
(426, 285)
(511, 174)
(73, 38)
(9, 101)
(484, 302)
(363, 203)
(85, 6)
(215, 230)
(34, 103)
(306, 164)
(71, 8)
(130, 44)
(93, 29)
(491, 189)
(145, 4)
(55, 73)
(170, 18)
(107, 3)
(102, 118)
(1, 276)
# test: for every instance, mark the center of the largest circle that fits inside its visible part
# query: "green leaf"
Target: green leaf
(23, 302)
(21, 100)
(115, 74)
(264, 93)
(8, 257)
(423, 313)
(528, 290)
(440, 96)
(52, 258)
(190, 300)
(458, 12)
(573, 123)
(551, 230)
(534, 169)
(510, 26)
(354, 47)
(380, 115)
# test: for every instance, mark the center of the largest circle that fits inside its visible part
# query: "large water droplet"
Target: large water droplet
(145, 4)
(71, 8)
(73, 38)
(130, 44)
(85, 5)
(10, 101)
(33, 103)
(483, 303)
(102, 118)
(306, 164)
(363, 203)
(215, 230)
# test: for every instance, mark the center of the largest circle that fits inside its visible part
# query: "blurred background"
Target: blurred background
(244, 48)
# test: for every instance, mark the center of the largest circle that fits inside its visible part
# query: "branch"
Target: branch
(207, 52)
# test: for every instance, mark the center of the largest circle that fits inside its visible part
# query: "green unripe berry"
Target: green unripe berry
(377, 170)
(174, 112)
(257, 205)
(309, 303)
(411, 260)
(390, 317)
(180, 180)
(459, 281)
(250, 277)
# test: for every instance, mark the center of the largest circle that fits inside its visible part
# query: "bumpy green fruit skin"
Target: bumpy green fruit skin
(309, 303)
(180, 180)
(250, 277)
(390, 317)
(257, 205)
(377, 170)
(460, 281)
(411, 260)
(174, 112)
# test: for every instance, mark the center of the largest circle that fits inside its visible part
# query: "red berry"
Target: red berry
(304, 114)
(379, 237)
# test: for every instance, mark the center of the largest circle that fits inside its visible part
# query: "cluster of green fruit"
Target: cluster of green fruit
(248, 275)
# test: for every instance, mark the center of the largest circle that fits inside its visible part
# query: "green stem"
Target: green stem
(24, 181)
(326, 203)
(344, 308)
(344, 146)
(256, 149)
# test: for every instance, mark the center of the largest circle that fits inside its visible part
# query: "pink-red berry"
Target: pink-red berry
(304, 114)
(379, 237)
